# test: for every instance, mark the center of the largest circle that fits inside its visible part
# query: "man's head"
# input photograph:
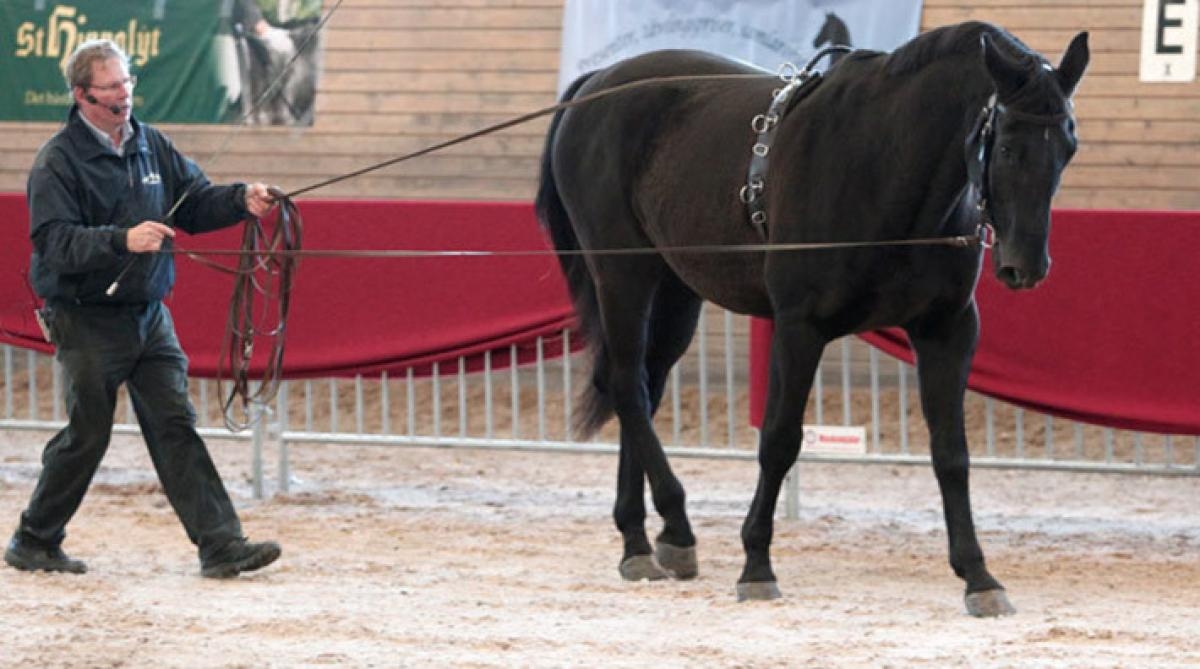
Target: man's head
(98, 76)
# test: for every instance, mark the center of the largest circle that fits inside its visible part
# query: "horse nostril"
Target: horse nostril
(1011, 276)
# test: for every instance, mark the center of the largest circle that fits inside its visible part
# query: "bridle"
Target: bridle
(801, 82)
(980, 141)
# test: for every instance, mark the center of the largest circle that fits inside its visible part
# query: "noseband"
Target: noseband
(982, 136)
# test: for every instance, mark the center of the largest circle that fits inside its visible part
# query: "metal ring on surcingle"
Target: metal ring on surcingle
(750, 191)
(788, 71)
(763, 122)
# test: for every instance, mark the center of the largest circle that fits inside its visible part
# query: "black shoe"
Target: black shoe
(25, 557)
(240, 556)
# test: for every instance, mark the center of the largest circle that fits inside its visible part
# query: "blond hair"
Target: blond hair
(78, 71)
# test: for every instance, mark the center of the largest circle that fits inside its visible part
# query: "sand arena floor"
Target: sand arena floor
(418, 557)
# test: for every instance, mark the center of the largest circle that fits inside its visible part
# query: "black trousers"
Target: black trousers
(99, 348)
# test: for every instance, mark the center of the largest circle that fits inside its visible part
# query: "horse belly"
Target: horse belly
(863, 290)
(733, 281)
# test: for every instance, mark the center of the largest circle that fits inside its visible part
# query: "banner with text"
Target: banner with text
(766, 33)
(199, 61)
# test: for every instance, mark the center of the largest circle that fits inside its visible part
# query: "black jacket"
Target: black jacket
(83, 198)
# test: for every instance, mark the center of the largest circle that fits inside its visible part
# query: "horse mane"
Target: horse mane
(1039, 94)
(955, 40)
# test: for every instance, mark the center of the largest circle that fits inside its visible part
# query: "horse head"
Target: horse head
(833, 31)
(1025, 139)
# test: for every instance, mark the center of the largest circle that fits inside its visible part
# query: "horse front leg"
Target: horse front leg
(944, 346)
(795, 353)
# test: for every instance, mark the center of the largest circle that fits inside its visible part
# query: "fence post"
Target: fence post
(256, 463)
(791, 507)
(281, 425)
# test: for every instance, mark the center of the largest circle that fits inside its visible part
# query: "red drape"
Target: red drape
(1107, 339)
(353, 315)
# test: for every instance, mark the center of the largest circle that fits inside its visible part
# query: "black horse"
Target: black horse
(834, 32)
(961, 125)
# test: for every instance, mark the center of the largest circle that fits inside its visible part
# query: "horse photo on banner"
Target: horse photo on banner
(766, 33)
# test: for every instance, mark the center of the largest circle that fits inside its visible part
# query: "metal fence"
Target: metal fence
(704, 413)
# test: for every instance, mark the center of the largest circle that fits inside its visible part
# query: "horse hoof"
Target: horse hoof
(642, 568)
(758, 591)
(681, 562)
(989, 604)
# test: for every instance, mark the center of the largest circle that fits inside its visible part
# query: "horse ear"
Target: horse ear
(1006, 73)
(1073, 63)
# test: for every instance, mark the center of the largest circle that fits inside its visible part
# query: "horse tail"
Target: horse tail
(595, 406)
(550, 210)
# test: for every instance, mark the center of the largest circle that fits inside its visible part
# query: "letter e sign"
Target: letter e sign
(1169, 30)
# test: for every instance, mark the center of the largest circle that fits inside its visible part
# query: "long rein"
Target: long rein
(961, 241)
(274, 255)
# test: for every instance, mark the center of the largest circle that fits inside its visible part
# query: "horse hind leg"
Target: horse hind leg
(638, 563)
(625, 300)
(673, 320)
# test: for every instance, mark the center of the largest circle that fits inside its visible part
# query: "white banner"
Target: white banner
(767, 33)
(1169, 30)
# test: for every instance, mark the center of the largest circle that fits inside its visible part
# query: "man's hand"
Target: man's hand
(147, 236)
(258, 200)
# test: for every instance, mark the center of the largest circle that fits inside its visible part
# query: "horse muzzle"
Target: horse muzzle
(1018, 279)
(1019, 273)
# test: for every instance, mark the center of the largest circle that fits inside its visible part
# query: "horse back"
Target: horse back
(661, 165)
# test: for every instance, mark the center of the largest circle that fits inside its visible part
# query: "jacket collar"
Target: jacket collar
(88, 146)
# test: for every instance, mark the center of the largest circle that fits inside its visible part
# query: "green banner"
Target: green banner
(194, 60)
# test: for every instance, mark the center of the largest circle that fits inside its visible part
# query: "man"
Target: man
(98, 192)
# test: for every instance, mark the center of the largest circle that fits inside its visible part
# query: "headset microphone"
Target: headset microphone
(92, 99)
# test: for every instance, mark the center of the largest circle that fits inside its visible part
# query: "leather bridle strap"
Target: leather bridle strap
(981, 138)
